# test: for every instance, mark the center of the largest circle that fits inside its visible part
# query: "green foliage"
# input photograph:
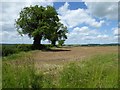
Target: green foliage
(24, 47)
(57, 33)
(8, 50)
(48, 46)
(40, 23)
(12, 49)
(61, 42)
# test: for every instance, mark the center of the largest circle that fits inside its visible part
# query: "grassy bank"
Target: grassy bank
(100, 71)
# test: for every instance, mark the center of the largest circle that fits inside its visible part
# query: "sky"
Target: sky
(87, 22)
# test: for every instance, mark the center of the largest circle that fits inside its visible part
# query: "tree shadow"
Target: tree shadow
(46, 48)
(56, 50)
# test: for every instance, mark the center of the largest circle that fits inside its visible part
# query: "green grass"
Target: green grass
(21, 55)
(100, 71)
(23, 75)
(18, 71)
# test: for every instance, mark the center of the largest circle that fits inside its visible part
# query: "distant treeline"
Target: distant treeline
(93, 45)
(114, 44)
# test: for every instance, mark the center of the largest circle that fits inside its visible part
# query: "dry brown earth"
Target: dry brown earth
(60, 56)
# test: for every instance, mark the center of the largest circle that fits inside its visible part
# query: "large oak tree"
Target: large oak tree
(41, 23)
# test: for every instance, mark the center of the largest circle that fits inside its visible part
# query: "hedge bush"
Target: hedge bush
(24, 47)
(8, 49)
(15, 48)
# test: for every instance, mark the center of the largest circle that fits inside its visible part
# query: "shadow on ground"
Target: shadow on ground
(55, 50)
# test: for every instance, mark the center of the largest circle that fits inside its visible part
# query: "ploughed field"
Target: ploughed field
(63, 55)
(60, 56)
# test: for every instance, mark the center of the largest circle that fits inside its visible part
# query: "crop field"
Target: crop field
(65, 67)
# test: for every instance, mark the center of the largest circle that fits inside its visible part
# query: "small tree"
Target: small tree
(57, 33)
(61, 42)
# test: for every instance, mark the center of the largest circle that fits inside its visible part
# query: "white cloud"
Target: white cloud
(82, 35)
(10, 10)
(107, 10)
(29, 1)
(102, 37)
(60, 0)
(101, 0)
(62, 10)
(116, 31)
(8, 14)
(84, 31)
(13, 37)
(73, 18)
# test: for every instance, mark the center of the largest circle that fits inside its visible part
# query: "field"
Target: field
(65, 67)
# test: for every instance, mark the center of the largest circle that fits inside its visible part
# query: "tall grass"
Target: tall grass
(16, 75)
(100, 71)
(22, 74)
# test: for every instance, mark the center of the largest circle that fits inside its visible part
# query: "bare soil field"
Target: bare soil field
(71, 53)
(59, 56)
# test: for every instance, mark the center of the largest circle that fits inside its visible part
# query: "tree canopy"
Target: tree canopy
(41, 23)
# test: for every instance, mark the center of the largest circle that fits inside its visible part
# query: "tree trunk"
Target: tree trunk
(37, 40)
(54, 43)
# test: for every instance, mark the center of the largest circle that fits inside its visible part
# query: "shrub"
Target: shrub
(24, 47)
(12, 49)
(8, 50)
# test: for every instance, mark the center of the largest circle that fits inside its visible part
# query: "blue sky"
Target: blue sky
(73, 5)
(87, 22)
